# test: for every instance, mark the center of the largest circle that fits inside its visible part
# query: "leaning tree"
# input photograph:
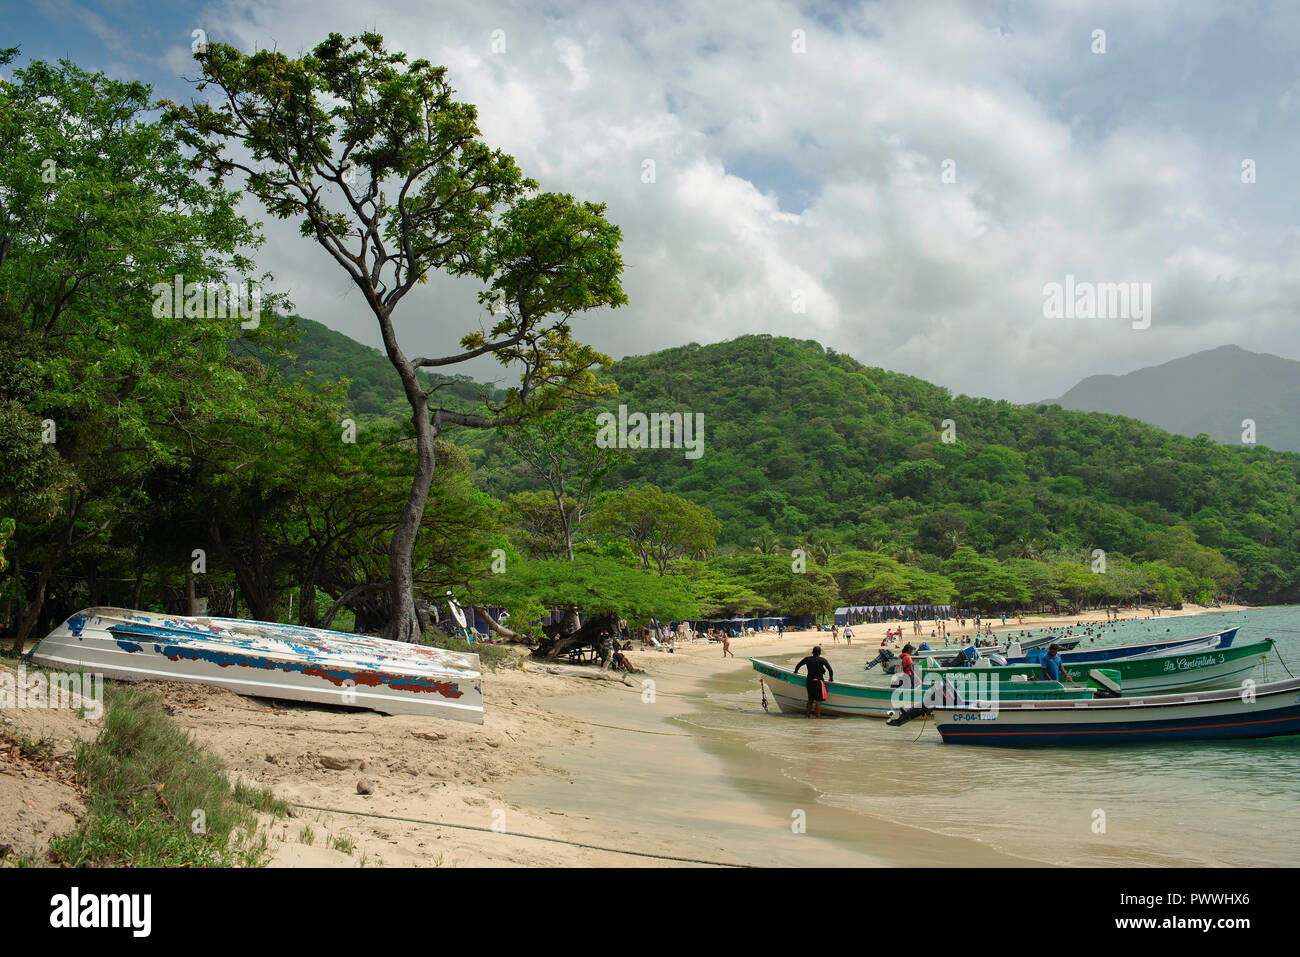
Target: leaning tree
(389, 174)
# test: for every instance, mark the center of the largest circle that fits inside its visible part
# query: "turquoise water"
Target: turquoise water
(1189, 803)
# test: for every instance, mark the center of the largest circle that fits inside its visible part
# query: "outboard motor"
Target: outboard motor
(965, 658)
(897, 719)
(884, 658)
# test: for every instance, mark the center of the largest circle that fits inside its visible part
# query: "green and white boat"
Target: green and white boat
(1184, 670)
(878, 701)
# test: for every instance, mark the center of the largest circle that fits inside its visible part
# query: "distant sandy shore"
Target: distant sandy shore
(568, 759)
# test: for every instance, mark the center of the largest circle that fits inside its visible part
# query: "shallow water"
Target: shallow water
(1190, 803)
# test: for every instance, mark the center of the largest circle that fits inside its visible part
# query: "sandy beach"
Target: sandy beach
(581, 764)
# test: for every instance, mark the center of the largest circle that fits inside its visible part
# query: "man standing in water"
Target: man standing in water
(817, 666)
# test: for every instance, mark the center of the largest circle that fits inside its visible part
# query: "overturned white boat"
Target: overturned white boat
(268, 660)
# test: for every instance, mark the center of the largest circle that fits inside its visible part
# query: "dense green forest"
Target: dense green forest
(328, 356)
(806, 445)
(155, 452)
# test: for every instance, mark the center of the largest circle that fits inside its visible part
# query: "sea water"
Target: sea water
(1193, 803)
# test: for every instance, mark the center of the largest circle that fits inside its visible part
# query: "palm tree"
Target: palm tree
(1026, 547)
(765, 543)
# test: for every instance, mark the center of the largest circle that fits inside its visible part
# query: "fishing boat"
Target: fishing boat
(889, 656)
(1094, 654)
(1200, 666)
(269, 660)
(844, 698)
(1250, 711)
(1016, 654)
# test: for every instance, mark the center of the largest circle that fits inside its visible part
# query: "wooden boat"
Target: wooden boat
(889, 655)
(1203, 666)
(1092, 655)
(847, 699)
(269, 660)
(1095, 654)
(1258, 711)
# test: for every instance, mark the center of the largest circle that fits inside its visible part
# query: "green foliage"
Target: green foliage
(373, 386)
(594, 583)
(7, 526)
(145, 778)
(659, 526)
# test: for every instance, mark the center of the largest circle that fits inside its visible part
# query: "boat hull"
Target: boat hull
(1204, 667)
(265, 659)
(1084, 656)
(1270, 710)
(789, 691)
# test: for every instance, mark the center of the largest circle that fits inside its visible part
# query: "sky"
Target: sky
(901, 181)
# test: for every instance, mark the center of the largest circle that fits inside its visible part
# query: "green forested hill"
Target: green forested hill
(374, 388)
(804, 445)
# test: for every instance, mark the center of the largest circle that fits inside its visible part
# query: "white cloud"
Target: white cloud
(896, 267)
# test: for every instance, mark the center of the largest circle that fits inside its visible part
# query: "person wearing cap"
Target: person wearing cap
(1053, 666)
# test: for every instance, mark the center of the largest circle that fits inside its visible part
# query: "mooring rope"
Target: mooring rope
(1282, 660)
(530, 837)
(595, 724)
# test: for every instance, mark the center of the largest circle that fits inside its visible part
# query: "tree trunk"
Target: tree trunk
(498, 628)
(343, 599)
(34, 606)
(405, 624)
(34, 610)
(308, 616)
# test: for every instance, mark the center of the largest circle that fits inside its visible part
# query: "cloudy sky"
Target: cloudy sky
(898, 181)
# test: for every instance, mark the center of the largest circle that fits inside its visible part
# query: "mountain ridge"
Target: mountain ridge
(1212, 392)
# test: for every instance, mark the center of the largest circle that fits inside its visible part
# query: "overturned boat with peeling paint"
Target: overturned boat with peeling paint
(268, 660)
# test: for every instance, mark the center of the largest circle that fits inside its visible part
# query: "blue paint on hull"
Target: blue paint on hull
(316, 666)
(1094, 655)
(1273, 723)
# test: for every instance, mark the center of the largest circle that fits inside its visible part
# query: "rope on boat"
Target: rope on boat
(1282, 660)
(922, 731)
(530, 837)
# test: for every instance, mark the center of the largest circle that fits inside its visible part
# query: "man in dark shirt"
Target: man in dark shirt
(817, 666)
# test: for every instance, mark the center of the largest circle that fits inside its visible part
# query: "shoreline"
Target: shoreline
(564, 758)
(751, 796)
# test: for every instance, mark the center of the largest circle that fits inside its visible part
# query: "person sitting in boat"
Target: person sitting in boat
(905, 666)
(1053, 666)
(817, 666)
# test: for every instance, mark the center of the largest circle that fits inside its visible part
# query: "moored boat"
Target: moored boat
(1093, 654)
(1250, 711)
(266, 659)
(1201, 666)
(845, 698)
